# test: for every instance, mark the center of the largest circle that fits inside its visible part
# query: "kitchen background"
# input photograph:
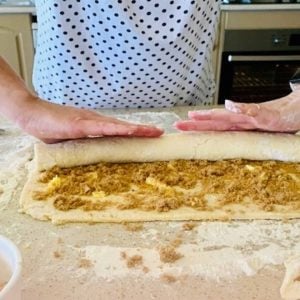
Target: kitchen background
(256, 54)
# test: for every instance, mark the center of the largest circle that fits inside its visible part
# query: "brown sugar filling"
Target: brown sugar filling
(165, 186)
(168, 254)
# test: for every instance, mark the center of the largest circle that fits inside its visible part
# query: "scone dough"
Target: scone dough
(207, 146)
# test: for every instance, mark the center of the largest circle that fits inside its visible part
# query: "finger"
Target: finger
(147, 131)
(51, 141)
(221, 115)
(133, 129)
(102, 128)
(211, 125)
(205, 114)
(205, 125)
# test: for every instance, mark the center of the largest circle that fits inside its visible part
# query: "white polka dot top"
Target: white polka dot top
(125, 53)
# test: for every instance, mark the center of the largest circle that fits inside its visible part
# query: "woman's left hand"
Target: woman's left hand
(280, 115)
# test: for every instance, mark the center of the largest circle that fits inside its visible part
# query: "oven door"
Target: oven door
(256, 77)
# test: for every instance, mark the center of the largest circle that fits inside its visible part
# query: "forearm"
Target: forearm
(14, 95)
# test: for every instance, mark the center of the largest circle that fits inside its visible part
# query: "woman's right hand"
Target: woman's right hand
(53, 123)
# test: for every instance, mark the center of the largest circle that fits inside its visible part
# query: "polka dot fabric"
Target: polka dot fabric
(125, 53)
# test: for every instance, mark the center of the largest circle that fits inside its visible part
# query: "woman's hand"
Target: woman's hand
(52, 123)
(280, 115)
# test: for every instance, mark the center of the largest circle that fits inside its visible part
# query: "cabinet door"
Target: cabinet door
(16, 44)
(262, 19)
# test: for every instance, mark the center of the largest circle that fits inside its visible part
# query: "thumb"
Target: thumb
(251, 109)
(262, 116)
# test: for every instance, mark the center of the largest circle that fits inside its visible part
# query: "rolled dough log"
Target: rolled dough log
(208, 146)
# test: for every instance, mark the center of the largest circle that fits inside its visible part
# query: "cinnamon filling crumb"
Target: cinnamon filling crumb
(176, 242)
(165, 186)
(133, 227)
(188, 226)
(168, 278)
(85, 263)
(132, 261)
(297, 278)
(168, 254)
(57, 254)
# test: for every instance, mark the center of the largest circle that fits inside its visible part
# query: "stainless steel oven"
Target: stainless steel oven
(257, 65)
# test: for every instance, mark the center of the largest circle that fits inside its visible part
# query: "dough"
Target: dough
(208, 146)
(290, 289)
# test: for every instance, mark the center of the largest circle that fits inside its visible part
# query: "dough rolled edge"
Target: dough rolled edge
(204, 145)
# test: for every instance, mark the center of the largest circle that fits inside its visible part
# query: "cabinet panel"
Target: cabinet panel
(16, 44)
(262, 19)
(9, 48)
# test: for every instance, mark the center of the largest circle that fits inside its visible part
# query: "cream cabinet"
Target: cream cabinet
(16, 44)
(273, 19)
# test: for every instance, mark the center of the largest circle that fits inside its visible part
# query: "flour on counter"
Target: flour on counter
(15, 152)
(220, 251)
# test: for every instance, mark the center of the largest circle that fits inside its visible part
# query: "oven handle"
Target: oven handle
(232, 58)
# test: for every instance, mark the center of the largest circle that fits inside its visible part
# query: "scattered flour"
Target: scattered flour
(15, 152)
(223, 251)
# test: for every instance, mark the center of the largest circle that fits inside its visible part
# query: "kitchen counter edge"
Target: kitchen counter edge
(224, 7)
